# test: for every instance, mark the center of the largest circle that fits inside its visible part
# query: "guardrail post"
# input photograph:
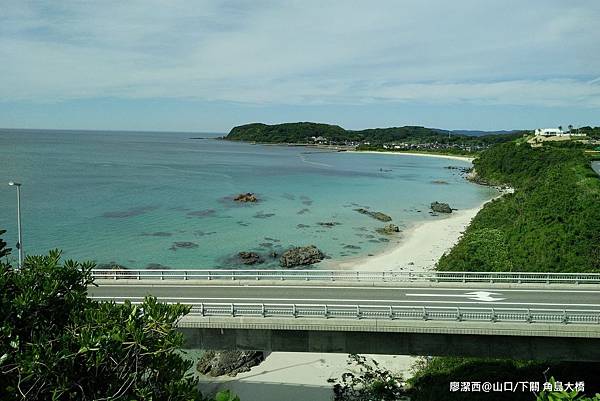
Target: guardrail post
(425, 314)
(326, 312)
(115, 274)
(332, 278)
(547, 278)
(208, 275)
(358, 311)
(565, 318)
(458, 314)
(139, 275)
(232, 310)
(263, 310)
(391, 313)
(294, 311)
(202, 309)
(357, 276)
(162, 275)
(464, 278)
(494, 317)
(529, 316)
(185, 273)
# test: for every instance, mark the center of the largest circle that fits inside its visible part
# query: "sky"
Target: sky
(207, 66)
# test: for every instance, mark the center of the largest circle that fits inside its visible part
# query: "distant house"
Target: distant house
(319, 139)
(549, 132)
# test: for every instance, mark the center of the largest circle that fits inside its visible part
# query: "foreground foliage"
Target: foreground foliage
(432, 379)
(57, 344)
(367, 382)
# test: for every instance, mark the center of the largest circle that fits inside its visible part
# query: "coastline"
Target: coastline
(453, 157)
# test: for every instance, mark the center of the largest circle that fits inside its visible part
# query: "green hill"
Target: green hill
(551, 221)
(302, 132)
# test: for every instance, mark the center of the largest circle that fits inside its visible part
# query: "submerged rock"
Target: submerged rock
(328, 223)
(247, 197)
(441, 207)
(301, 256)
(250, 258)
(183, 245)
(388, 229)
(376, 215)
(219, 363)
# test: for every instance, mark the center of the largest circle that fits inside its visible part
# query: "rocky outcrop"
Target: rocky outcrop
(247, 197)
(301, 256)
(376, 215)
(328, 224)
(250, 258)
(219, 363)
(388, 229)
(439, 207)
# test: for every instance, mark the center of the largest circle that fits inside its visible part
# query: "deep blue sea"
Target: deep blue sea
(143, 199)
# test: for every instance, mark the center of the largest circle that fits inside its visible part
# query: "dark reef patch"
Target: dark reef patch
(202, 213)
(263, 215)
(302, 211)
(157, 234)
(200, 233)
(302, 226)
(134, 211)
(183, 245)
(157, 266)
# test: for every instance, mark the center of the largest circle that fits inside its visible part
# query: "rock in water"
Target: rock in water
(219, 363)
(250, 258)
(376, 215)
(299, 256)
(247, 197)
(441, 207)
(389, 229)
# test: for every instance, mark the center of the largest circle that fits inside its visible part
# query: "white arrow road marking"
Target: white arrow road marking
(474, 295)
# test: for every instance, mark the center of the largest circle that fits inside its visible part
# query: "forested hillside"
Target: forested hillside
(302, 132)
(550, 223)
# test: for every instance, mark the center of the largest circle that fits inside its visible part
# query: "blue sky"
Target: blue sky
(210, 65)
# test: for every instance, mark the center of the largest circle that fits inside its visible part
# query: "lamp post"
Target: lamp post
(20, 240)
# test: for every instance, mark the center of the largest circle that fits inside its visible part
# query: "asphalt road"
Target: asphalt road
(535, 298)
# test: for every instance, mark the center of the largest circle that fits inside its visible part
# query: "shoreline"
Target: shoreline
(418, 248)
(452, 157)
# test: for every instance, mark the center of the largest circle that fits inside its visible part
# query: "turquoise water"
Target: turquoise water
(130, 197)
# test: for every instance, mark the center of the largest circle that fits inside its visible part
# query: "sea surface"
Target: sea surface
(162, 199)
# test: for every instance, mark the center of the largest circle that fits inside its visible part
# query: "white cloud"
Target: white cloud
(296, 52)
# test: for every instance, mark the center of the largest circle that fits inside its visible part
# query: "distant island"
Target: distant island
(408, 138)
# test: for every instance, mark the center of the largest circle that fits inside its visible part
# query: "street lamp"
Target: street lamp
(20, 241)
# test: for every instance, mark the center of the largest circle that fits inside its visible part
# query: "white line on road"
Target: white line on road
(347, 301)
(151, 286)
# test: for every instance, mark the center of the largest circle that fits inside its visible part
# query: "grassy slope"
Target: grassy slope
(550, 223)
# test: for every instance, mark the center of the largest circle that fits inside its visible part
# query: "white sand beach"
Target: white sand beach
(303, 376)
(453, 157)
(418, 248)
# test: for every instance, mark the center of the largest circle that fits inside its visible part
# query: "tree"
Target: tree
(369, 383)
(570, 127)
(58, 344)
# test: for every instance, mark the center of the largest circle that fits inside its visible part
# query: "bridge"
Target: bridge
(547, 316)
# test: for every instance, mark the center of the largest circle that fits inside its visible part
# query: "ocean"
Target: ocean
(164, 200)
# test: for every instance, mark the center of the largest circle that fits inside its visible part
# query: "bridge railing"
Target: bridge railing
(348, 275)
(393, 312)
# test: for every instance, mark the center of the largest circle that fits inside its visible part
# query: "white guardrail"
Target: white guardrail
(382, 312)
(347, 275)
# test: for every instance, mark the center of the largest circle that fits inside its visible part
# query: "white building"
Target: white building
(556, 132)
(549, 132)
